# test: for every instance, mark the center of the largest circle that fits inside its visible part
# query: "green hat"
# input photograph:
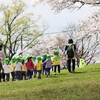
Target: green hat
(38, 59)
(48, 57)
(56, 52)
(6, 61)
(13, 60)
(0, 57)
(19, 57)
(29, 56)
(44, 56)
(23, 59)
(33, 58)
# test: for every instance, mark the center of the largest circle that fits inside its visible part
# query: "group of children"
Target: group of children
(22, 68)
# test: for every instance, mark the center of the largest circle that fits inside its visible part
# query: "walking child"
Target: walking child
(35, 69)
(18, 68)
(7, 69)
(13, 60)
(44, 64)
(56, 61)
(30, 66)
(48, 65)
(24, 69)
(39, 66)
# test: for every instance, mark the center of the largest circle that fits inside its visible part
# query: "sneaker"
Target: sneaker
(73, 71)
(54, 73)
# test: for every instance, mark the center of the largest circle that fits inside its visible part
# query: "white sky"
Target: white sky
(57, 22)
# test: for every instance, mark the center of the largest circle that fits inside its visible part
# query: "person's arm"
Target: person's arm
(32, 65)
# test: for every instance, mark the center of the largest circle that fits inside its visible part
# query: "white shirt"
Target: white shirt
(7, 68)
(18, 66)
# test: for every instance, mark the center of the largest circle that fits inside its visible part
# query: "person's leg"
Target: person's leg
(0, 76)
(73, 65)
(35, 72)
(31, 73)
(46, 72)
(17, 75)
(20, 75)
(3, 75)
(12, 74)
(54, 69)
(7, 76)
(69, 65)
(58, 68)
(39, 74)
(49, 72)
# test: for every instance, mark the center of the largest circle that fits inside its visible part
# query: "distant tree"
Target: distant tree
(18, 29)
(59, 5)
(88, 38)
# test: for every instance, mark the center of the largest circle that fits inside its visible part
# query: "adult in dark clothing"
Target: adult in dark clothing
(70, 52)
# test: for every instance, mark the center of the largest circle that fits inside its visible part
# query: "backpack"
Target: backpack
(70, 51)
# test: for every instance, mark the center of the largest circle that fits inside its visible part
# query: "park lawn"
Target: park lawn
(84, 84)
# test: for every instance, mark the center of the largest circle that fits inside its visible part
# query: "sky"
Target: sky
(57, 22)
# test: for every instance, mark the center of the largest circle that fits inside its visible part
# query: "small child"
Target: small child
(44, 64)
(56, 61)
(18, 68)
(39, 66)
(35, 70)
(7, 69)
(48, 65)
(24, 69)
(1, 68)
(30, 66)
(13, 68)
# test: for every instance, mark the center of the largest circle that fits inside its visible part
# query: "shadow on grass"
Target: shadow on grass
(78, 72)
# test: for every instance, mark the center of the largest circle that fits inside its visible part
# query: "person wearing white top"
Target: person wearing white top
(7, 69)
(18, 68)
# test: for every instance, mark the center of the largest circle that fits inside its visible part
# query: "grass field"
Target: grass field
(84, 84)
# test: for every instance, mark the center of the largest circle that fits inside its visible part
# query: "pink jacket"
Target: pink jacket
(30, 65)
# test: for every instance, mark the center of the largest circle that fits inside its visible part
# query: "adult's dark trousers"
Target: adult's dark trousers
(7, 75)
(69, 63)
(29, 73)
(18, 75)
(23, 75)
(13, 76)
(39, 74)
(2, 75)
(55, 66)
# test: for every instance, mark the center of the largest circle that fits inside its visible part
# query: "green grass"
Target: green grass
(82, 85)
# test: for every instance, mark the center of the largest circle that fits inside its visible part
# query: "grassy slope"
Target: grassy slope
(82, 85)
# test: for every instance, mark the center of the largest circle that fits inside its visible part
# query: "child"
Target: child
(7, 69)
(18, 68)
(48, 65)
(44, 64)
(39, 66)
(24, 69)
(56, 61)
(13, 68)
(30, 67)
(35, 70)
(1, 68)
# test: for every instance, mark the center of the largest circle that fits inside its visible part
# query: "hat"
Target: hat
(19, 57)
(23, 59)
(38, 59)
(6, 61)
(44, 56)
(13, 60)
(56, 52)
(29, 56)
(70, 41)
(48, 57)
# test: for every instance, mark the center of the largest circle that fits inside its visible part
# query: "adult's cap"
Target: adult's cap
(70, 41)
